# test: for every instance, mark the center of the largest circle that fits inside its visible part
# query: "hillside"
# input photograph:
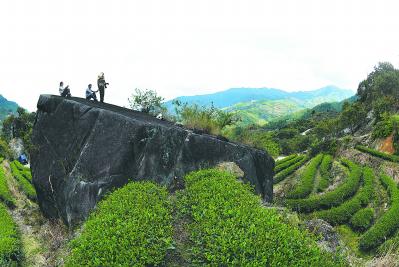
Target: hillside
(260, 105)
(6, 108)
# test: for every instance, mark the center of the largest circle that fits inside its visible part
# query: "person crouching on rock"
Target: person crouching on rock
(90, 94)
(101, 86)
(64, 91)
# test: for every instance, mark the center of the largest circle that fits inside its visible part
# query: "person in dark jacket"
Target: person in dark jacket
(90, 94)
(64, 91)
(101, 86)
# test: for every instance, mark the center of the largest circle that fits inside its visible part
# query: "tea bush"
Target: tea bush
(343, 213)
(305, 186)
(288, 163)
(130, 227)
(388, 223)
(5, 194)
(379, 154)
(363, 219)
(24, 171)
(290, 170)
(332, 198)
(228, 226)
(10, 243)
(325, 176)
(288, 158)
(23, 183)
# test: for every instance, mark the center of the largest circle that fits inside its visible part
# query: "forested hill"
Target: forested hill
(262, 105)
(6, 107)
(234, 96)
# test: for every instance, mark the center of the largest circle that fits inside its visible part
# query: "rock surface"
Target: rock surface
(85, 149)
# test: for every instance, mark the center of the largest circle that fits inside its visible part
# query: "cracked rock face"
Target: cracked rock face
(85, 149)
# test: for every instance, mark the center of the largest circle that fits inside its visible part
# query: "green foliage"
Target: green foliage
(10, 243)
(130, 227)
(352, 115)
(377, 153)
(290, 170)
(5, 151)
(230, 227)
(147, 101)
(363, 219)
(388, 223)
(5, 194)
(288, 163)
(208, 119)
(287, 158)
(19, 126)
(325, 177)
(25, 172)
(383, 128)
(381, 82)
(305, 185)
(342, 214)
(331, 198)
(23, 183)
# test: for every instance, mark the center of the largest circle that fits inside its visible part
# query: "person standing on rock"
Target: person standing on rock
(90, 94)
(101, 86)
(64, 91)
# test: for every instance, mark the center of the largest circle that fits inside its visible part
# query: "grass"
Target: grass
(230, 227)
(131, 227)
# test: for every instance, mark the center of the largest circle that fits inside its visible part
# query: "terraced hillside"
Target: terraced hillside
(360, 202)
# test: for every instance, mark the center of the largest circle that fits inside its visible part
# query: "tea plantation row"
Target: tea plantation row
(224, 222)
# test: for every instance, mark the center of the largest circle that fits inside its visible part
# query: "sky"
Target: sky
(189, 47)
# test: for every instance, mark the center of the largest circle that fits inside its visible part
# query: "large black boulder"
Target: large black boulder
(82, 150)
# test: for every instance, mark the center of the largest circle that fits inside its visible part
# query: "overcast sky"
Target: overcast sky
(187, 47)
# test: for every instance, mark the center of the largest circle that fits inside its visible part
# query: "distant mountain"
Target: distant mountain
(6, 107)
(260, 105)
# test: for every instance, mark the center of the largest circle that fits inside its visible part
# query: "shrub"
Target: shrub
(388, 223)
(342, 214)
(287, 158)
(379, 154)
(290, 170)
(25, 172)
(382, 129)
(288, 163)
(305, 186)
(10, 243)
(332, 198)
(5, 194)
(325, 176)
(23, 183)
(363, 219)
(230, 227)
(131, 227)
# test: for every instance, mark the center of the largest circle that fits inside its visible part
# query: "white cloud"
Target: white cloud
(183, 47)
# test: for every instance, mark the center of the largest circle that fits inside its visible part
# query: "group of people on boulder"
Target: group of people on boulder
(90, 93)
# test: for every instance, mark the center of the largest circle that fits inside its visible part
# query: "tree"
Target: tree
(147, 101)
(19, 126)
(382, 81)
(352, 115)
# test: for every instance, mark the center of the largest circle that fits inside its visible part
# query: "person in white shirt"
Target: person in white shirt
(90, 94)
(64, 91)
